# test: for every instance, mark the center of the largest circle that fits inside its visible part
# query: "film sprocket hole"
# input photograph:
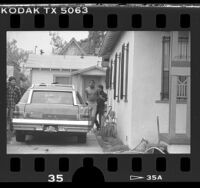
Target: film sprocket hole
(99, 92)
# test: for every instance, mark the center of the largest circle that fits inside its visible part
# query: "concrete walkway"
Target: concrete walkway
(50, 144)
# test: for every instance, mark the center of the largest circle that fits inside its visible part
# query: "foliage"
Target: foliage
(93, 43)
(90, 45)
(57, 42)
(15, 54)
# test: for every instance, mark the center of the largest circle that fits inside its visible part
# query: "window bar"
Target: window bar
(126, 83)
(115, 74)
(107, 77)
(162, 72)
(165, 73)
(119, 67)
(111, 69)
(122, 73)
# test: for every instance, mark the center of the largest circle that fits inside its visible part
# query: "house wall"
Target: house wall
(41, 76)
(13, 70)
(163, 113)
(147, 87)
(137, 118)
(72, 50)
(124, 109)
(78, 82)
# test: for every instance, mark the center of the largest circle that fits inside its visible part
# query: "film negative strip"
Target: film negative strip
(104, 93)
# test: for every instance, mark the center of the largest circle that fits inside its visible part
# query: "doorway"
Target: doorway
(179, 133)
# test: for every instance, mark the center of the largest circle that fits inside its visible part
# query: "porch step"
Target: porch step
(177, 149)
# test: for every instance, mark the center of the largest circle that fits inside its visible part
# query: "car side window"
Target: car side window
(24, 98)
(79, 99)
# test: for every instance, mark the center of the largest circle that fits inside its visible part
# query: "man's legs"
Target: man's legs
(94, 110)
(10, 119)
(96, 122)
(100, 116)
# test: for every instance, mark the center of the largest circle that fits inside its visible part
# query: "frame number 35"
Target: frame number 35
(55, 178)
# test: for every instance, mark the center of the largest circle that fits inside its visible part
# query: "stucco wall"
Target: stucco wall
(124, 109)
(137, 118)
(163, 113)
(181, 111)
(147, 88)
(147, 85)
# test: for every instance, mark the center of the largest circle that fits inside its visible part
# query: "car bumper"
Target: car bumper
(61, 125)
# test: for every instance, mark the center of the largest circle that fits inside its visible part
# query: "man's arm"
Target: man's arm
(18, 94)
(103, 96)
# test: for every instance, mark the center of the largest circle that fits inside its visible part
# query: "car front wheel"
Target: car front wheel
(20, 137)
(82, 138)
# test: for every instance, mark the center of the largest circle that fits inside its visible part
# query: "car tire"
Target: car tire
(20, 137)
(82, 138)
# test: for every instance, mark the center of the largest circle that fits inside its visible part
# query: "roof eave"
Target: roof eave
(109, 43)
(87, 69)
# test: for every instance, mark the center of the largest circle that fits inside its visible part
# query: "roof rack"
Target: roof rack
(59, 85)
(63, 85)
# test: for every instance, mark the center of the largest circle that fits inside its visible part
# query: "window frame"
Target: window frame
(63, 76)
(111, 74)
(122, 73)
(126, 73)
(183, 39)
(164, 96)
(108, 77)
(115, 76)
(119, 77)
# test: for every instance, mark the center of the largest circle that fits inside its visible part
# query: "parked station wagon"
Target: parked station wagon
(52, 108)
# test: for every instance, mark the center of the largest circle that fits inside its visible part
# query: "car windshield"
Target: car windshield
(52, 97)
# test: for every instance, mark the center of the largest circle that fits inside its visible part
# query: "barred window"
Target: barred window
(126, 73)
(111, 74)
(118, 76)
(122, 72)
(115, 76)
(165, 68)
(107, 77)
(183, 45)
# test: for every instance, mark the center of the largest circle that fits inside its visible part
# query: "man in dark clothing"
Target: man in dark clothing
(91, 93)
(13, 97)
(102, 98)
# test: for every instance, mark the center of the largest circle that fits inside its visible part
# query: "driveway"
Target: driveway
(52, 144)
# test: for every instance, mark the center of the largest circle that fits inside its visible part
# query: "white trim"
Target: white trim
(74, 96)
(49, 122)
(180, 71)
(30, 96)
